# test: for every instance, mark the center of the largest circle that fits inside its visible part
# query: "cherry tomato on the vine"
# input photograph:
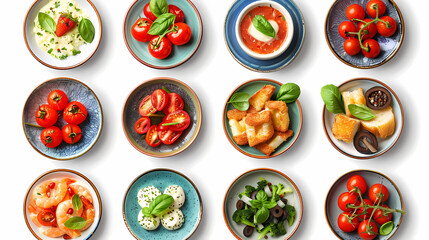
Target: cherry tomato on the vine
(382, 28)
(46, 115)
(142, 125)
(58, 100)
(140, 28)
(375, 192)
(345, 225)
(75, 113)
(352, 46)
(180, 16)
(346, 28)
(159, 99)
(348, 198)
(367, 230)
(181, 35)
(71, 133)
(160, 49)
(357, 181)
(371, 8)
(355, 11)
(381, 218)
(148, 13)
(51, 137)
(365, 212)
(368, 32)
(373, 49)
(175, 103)
(152, 138)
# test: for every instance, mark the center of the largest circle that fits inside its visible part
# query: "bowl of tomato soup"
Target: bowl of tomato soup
(256, 36)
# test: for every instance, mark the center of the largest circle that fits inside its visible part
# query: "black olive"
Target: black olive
(276, 211)
(284, 200)
(253, 195)
(248, 230)
(284, 216)
(378, 98)
(365, 142)
(240, 205)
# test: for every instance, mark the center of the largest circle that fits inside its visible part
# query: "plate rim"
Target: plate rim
(296, 135)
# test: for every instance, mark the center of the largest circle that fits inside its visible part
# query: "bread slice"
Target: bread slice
(257, 100)
(270, 146)
(345, 128)
(238, 127)
(259, 127)
(383, 125)
(280, 115)
(353, 97)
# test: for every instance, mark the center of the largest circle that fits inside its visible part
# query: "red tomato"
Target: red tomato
(140, 28)
(145, 107)
(368, 32)
(71, 133)
(148, 13)
(47, 218)
(142, 125)
(365, 212)
(181, 34)
(175, 103)
(180, 16)
(357, 181)
(345, 225)
(58, 100)
(367, 231)
(160, 49)
(159, 99)
(352, 46)
(373, 48)
(371, 8)
(383, 29)
(355, 11)
(177, 121)
(348, 198)
(51, 137)
(381, 218)
(75, 113)
(347, 27)
(377, 192)
(152, 137)
(46, 115)
(167, 135)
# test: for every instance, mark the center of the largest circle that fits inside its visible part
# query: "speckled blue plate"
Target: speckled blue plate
(389, 46)
(179, 54)
(264, 65)
(332, 211)
(161, 179)
(91, 127)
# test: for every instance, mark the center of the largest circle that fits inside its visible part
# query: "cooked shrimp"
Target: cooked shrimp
(63, 216)
(88, 213)
(48, 231)
(81, 191)
(33, 214)
(46, 196)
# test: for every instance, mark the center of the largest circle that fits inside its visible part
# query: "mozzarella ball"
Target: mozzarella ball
(178, 195)
(150, 223)
(146, 195)
(173, 219)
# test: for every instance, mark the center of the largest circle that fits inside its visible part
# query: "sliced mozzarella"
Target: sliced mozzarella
(173, 219)
(260, 36)
(178, 195)
(150, 224)
(146, 195)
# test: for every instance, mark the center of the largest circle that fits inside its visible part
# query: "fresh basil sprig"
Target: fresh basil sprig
(77, 202)
(361, 111)
(263, 205)
(262, 25)
(333, 99)
(158, 206)
(75, 223)
(158, 7)
(262, 215)
(47, 23)
(162, 24)
(86, 30)
(240, 101)
(288, 92)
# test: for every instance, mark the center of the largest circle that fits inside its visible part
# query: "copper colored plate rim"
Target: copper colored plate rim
(296, 135)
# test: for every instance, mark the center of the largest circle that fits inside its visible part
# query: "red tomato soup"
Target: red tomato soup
(270, 14)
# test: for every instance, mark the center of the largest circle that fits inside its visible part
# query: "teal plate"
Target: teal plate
(179, 54)
(161, 179)
(295, 115)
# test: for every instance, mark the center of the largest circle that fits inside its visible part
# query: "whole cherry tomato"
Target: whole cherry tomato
(160, 49)
(346, 28)
(345, 225)
(368, 32)
(365, 212)
(148, 13)
(377, 192)
(383, 29)
(159, 99)
(75, 113)
(167, 135)
(71, 133)
(367, 230)
(371, 8)
(51, 137)
(152, 138)
(46, 115)
(355, 11)
(140, 28)
(180, 16)
(58, 100)
(181, 34)
(47, 218)
(348, 198)
(352, 46)
(357, 181)
(142, 125)
(146, 108)
(373, 49)
(175, 103)
(177, 121)
(381, 218)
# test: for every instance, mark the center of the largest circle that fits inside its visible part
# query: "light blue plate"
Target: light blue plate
(91, 127)
(332, 211)
(161, 179)
(264, 65)
(179, 54)
(389, 46)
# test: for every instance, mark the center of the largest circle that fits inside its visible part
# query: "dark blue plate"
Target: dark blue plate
(264, 65)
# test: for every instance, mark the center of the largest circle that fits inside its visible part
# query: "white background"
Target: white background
(211, 162)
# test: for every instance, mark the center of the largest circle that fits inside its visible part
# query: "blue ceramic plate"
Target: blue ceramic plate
(179, 54)
(295, 115)
(264, 65)
(389, 46)
(332, 211)
(91, 127)
(161, 179)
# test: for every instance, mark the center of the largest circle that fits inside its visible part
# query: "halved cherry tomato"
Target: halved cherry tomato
(160, 49)
(383, 29)
(47, 218)
(180, 16)
(152, 136)
(355, 11)
(175, 103)
(368, 230)
(177, 121)
(71, 133)
(377, 192)
(373, 48)
(368, 32)
(146, 108)
(148, 13)
(352, 46)
(181, 34)
(345, 225)
(51, 137)
(142, 125)
(159, 99)
(381, 218)
(357, 181)
(167, 135)
(58, 100)
(46, 115)
(348, 198)
(346, 28)
(75, 113)
(370, 8)
(140, 28)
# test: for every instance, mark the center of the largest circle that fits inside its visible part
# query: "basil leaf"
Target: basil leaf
(240, 101)
(146, 212)
(333, 99)
(269, 205)
(75, 223)
(160, 204)
(256, 203)
(47, 23)
(158, 7)
(86, 30)
(262, 25)
(361, 111)
(77, 202)
(162, 24)
(387, 228)
(262, 196)
(262, 215)
(288, 92)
